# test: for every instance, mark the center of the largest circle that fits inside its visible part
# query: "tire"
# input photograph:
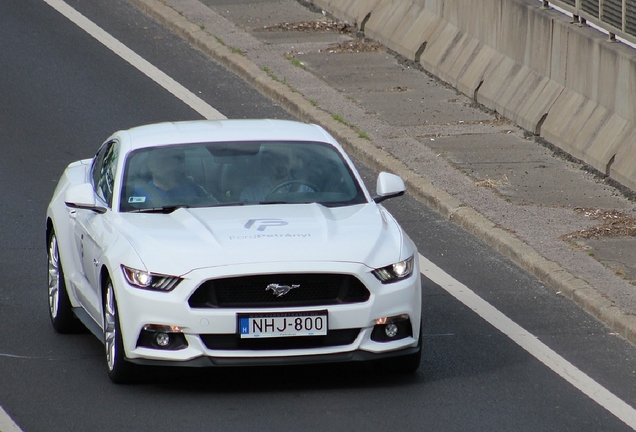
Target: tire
(119, 370)
(60, 310)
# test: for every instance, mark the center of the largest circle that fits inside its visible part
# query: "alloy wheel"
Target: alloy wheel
(110, 329)
(54, 277)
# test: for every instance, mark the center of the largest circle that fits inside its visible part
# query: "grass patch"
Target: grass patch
(269, 72)
(295, 61)
(339, 119)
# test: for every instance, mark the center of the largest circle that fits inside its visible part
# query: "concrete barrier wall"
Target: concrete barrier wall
(565, 82)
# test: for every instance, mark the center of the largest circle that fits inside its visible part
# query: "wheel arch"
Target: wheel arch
(104, 276)
(49, 230)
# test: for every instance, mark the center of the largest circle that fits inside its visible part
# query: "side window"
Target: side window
(104, 170)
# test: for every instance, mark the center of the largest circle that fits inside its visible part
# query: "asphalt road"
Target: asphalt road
(62, 93)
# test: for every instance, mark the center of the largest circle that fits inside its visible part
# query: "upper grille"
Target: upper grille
(250, 291)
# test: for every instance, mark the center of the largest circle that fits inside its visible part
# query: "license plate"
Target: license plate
(283, 324)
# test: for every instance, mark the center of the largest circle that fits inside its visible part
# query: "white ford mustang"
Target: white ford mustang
(234, 242)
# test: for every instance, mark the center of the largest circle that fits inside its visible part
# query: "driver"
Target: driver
(277, 161)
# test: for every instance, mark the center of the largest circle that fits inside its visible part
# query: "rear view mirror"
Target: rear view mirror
(82, 197)
(388, 186)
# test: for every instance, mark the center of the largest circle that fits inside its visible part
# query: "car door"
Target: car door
(91, 228)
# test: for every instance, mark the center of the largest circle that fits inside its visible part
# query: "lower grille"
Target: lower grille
(304, 290)
(234, 342)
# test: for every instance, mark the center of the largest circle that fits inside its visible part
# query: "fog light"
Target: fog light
(162, 339)
(165, 337)
(391, 330)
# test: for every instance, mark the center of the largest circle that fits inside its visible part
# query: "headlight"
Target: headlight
(151, 281)
(395, 272)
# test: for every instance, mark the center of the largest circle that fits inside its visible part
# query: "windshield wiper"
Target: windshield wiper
(287, 202)
(229, 204)
(271, 202)
(164, 209)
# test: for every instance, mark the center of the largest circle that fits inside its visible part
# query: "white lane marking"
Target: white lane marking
(6, 423)
(530, 343)
(135, 60)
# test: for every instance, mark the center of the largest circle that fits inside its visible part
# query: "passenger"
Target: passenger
(169, 184)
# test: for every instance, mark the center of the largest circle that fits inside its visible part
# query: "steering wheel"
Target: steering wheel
(288, 183)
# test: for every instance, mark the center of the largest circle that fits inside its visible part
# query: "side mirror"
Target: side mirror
(82, 197)
(388, 186)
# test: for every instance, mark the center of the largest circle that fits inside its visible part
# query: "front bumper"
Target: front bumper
(139, 308)
(353, 356)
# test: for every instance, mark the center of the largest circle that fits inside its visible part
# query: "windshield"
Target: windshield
(237, 173)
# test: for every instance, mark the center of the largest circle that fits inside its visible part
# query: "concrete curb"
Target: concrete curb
(548, 272)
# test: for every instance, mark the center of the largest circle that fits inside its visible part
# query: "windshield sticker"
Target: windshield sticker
(136, 199)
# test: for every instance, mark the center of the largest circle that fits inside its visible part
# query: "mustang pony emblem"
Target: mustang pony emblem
(280, 290)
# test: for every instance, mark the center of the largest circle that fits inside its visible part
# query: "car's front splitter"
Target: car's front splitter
(353, 356)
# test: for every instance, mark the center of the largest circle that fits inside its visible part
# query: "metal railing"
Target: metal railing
(616, 17)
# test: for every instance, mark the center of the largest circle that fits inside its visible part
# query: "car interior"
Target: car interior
(316, 173)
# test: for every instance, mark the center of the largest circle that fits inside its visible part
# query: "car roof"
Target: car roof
(169, 133)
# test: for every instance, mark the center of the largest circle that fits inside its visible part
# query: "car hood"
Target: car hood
(195, 238)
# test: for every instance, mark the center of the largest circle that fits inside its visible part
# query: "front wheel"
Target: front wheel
(119, 370)
(60, 310)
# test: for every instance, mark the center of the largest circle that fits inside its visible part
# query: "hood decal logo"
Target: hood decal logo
(280, 290)
(262, 224)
